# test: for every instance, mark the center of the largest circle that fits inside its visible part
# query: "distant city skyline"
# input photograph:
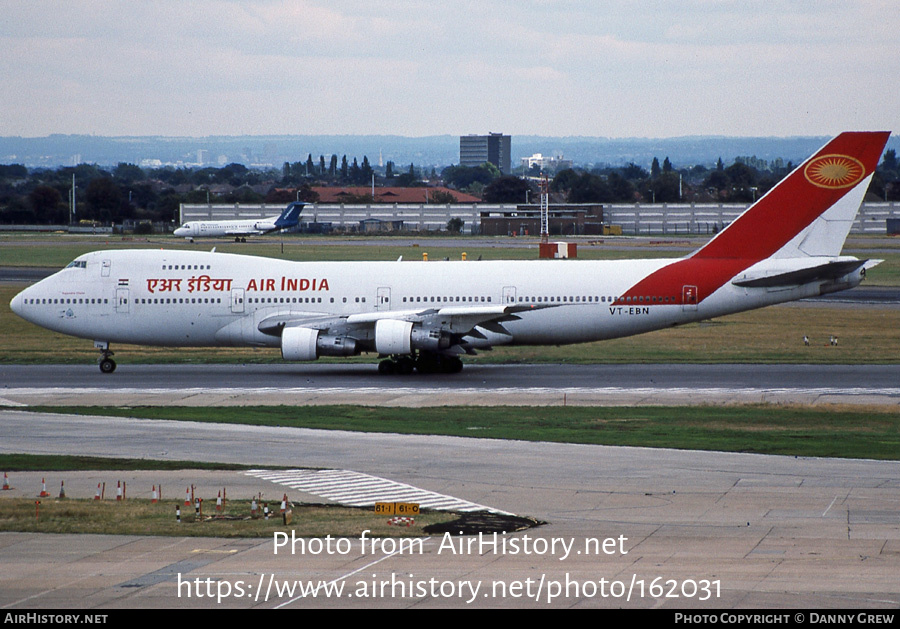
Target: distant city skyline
(433, 151)
(566, 68)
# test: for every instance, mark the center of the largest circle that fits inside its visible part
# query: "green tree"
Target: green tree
(461, 177)
(441, 196)
(665, 188)
(620, 188)
(365, 171)
(589, 189)
(128, 173)
(506, 189)
(409, 179)
(104, 199)
(633, 172)
(46, 203)
(13, 171)
(455, 225)
(564, 180)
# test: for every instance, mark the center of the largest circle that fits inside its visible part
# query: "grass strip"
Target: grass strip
(143, 517)
(63, 462)
(822, 431)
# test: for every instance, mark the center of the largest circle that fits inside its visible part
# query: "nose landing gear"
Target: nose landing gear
(107, 364)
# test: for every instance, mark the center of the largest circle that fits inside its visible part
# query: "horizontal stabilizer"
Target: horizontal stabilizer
(829, 271)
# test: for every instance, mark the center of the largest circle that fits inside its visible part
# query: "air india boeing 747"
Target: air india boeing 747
(424, 315)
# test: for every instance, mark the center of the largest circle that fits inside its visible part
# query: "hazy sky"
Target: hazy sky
(541, 67)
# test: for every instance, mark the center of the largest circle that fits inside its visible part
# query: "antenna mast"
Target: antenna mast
(545, 209)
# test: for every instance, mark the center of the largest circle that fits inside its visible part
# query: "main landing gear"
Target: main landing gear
(107, 364)
(424, 362)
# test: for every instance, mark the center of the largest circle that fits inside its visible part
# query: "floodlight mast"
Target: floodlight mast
(545, 209)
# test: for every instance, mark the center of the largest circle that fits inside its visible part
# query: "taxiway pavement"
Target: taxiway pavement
(700, 530)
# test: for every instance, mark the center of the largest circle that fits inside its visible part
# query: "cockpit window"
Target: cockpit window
(77, 264)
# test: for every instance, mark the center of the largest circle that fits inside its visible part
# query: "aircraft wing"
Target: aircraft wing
(450, 322)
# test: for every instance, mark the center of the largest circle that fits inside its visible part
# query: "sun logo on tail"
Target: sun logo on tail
(834, 171)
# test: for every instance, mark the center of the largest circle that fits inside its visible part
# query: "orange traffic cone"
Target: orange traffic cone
(44, 493)
(219, 502)
(97, 495)
(187, 497)
(118, 490)
(62, 489)
(6, 482)
(154, 497)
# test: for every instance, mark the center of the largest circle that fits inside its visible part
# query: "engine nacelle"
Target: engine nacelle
(299, 344)
(393, 336)
(430, 339)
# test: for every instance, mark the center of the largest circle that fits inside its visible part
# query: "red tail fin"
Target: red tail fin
(833, 179)
(788, 208)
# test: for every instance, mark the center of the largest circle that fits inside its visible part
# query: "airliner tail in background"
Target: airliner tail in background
(423, 316)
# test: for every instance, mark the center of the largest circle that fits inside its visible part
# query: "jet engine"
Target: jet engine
(308, 344)
(393, 336)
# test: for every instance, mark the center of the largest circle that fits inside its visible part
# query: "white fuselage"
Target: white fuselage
(249, 227)
(186, 298)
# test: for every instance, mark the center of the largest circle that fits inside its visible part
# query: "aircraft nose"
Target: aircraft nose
(16, 304)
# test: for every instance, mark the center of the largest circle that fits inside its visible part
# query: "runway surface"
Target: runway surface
(626, 527)
(322, 383)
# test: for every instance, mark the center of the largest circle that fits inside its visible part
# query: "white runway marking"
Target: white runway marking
(354, 489)
(443, 396)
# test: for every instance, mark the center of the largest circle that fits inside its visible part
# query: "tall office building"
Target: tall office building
(474, 150)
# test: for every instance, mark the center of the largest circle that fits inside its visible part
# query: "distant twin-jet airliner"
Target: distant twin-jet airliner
(242, 228)
(424, 315)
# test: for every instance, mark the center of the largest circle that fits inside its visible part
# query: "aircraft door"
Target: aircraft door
(689, 297)
(104, 268)
(383, 298)
(237, 300)
(122, 305)
(509, 294)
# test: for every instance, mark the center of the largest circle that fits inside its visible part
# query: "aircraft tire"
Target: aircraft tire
(405, 365)
(387, 367)
(107, 365)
